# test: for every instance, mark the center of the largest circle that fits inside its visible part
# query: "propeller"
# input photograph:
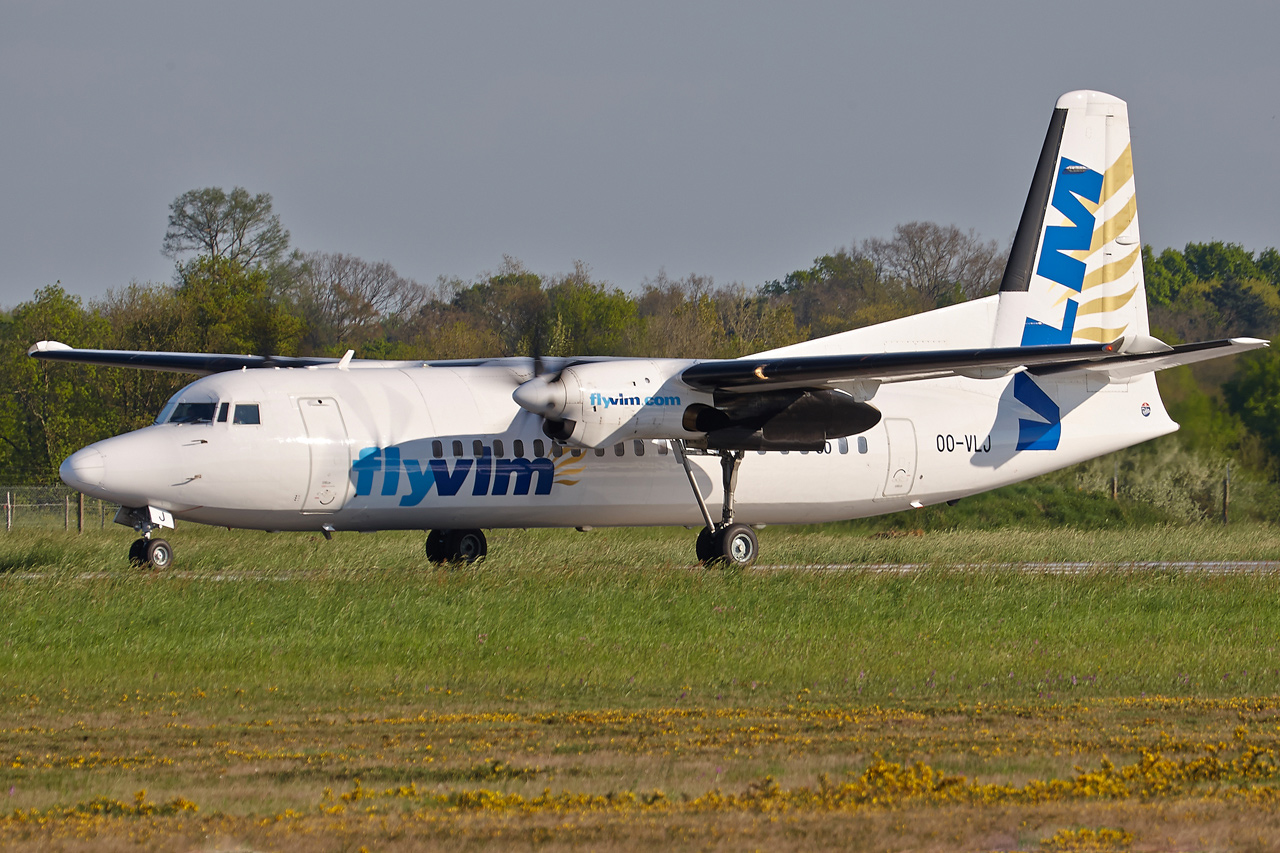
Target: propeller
(544, 394)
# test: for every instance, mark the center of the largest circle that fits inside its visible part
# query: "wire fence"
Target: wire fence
(54, 508)
(58, 507)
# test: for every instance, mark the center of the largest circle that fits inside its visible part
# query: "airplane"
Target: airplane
(1056, 368)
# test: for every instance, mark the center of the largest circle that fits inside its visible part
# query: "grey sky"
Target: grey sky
(737, 140)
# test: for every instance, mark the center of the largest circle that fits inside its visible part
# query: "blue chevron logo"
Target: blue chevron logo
(1036, 435)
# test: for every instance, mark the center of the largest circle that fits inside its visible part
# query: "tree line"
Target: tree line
(240, 286)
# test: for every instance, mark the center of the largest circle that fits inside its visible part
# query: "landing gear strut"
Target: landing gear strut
(726, 543)
(456, 546)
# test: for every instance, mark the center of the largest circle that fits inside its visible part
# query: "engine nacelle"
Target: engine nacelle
(596, 404)
(792, 419)
(599, 403)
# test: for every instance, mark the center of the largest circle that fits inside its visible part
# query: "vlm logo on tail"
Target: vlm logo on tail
(1074, 182)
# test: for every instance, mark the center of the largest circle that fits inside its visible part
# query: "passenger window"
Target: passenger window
(862, 444)
(557, 450)
(539, 449)
(246, 413)
(517, 447)
(576, 453)
(599, 451)
(663, 448)
(437, 448)
(844, 445)
(639, 447)
(477, 449)
(619, 449)
(457, 448)
(192, 413)
(497, 448)
(222, 412)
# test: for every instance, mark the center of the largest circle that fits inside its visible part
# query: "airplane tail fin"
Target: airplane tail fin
(1075, 270)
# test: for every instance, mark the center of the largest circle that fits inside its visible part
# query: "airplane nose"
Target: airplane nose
(83, 470)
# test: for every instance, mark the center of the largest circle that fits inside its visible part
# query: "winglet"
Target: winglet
(46, 346)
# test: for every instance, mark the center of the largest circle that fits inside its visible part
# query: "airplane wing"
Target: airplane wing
(746, 375)
(204, 364)
(201, 364)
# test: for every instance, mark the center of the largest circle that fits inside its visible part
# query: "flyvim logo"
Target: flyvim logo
(595, 398)
(1075, 182)
(488, 476)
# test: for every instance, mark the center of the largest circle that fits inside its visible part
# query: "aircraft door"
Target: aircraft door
(330, 455)
(901, 435)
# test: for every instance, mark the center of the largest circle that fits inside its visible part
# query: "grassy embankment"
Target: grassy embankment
(563, 619)
(707, 703)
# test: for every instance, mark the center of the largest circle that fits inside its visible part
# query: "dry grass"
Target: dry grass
(1186, 774)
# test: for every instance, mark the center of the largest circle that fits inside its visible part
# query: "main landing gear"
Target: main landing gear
(725, 543)
(456, 546)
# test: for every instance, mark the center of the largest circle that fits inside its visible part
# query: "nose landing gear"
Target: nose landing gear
(146, 551)
(156, 553)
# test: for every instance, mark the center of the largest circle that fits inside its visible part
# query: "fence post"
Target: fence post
(1226, 495)
(80, 514)
(66, 513)
(8, 511)
(102, 515)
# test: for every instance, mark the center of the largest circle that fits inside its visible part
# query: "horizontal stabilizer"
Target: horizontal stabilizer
(1126, 366)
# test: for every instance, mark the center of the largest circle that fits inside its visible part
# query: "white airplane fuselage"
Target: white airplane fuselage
(374, 448)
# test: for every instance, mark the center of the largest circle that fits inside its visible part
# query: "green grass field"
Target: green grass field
(267, 669)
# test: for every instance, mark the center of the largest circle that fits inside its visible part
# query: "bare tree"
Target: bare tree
(679, 316)
(344, 298)
(511, 302)
(941, 262)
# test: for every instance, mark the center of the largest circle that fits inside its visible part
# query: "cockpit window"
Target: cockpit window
(246, 413)
(163, 417)
(192, 413)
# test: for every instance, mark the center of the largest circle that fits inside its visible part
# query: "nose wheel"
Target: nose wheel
(456, 546)
(156, 553)
(145, 551)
